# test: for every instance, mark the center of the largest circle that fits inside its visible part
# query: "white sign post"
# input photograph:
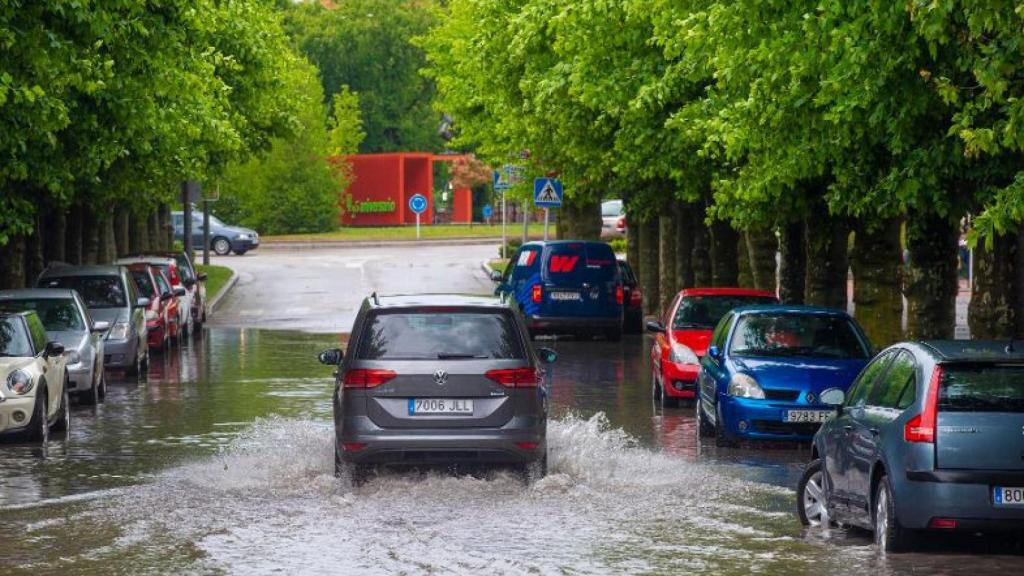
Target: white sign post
(418, 205)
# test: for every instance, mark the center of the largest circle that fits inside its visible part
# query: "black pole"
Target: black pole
(186, 218)
(206, 232)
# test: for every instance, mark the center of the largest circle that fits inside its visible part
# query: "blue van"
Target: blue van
(566, 287)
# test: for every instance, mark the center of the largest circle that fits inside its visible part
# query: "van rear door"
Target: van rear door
(981, 417)
(580, 279)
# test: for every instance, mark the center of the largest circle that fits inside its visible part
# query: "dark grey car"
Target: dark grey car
(439, 379)
(930, 437)
(224, 238)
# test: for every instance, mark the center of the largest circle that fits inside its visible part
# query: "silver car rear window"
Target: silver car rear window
(432, 335)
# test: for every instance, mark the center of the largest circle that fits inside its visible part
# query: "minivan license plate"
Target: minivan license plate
(1003, 496)
(807, 415)
(440, 406)
(566, 296)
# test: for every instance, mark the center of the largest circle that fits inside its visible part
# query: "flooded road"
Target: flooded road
(221, 464)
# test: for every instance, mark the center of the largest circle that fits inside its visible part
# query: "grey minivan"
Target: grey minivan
(439, 379)
(929, 438)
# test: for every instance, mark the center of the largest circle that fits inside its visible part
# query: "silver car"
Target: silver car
(110, 295)
(67, 321)
(439, 379)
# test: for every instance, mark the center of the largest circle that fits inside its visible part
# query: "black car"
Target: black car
(224, 239)
(633, 300)
(439, 380)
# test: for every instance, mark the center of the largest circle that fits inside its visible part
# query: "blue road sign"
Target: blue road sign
(501, 182)
(488, 212)
(547, 193)
(418, 203)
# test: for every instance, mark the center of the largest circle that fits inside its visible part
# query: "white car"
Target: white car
(612, 219)
(169, 266)
(33, 379)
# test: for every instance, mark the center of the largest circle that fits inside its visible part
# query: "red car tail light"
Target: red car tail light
(620, 295)
(536, 293)
(367, 378)
(353, 446)
(921, 428)
(942, 524)
(527, 445)
(514, 377)
(621, 224)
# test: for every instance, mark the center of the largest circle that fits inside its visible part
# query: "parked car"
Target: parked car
(766, 369)
(111, 297)
(224, 238)
(169, 266)
(439, 380)
(566, 287)
(66, 320)
(34, 394)
(928, 438)
(682, 336)
(162, 312)
(611, 215)
(632, 300)
(192, 280)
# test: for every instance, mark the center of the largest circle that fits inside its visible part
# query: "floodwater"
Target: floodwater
(222, 464)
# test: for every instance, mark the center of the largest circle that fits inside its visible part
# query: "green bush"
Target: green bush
(511, 246)
(618, 245)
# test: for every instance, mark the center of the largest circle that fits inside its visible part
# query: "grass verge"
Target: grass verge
(498, 264)
(435, 232)
(216, 278)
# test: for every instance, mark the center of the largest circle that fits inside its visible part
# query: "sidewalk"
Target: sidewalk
(325, 244)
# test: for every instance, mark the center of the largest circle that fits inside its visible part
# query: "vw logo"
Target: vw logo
(811, 398)
(440, 377)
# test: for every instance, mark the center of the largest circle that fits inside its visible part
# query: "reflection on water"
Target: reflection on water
(222, 461)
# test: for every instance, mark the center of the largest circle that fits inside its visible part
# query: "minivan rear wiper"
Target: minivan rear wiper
(456, 356)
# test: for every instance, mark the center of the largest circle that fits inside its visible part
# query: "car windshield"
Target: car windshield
(440, 335)
(13, 339)
(802, 335)
(57, 314)
(982, 388)
(611, 209)
(704, 312)
(143, 282)
(184, 266)
(97, 291)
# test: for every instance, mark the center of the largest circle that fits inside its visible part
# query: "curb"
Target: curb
(321, 245)
(223, 292)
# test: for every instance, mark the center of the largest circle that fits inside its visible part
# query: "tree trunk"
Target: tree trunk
(826, 239)
(56, 236)
(12, 263)
(91, 228)
(931, 283)
(724, 263)
(166, 232)
(762, 246)
(684, 245)
(138, 233)
(153, 226)
(107, 251)
(1018, 288)
(792, 264)
(745, 276)
(633, 243)
(701, 259)
(876, 281)
(649, 276)
(579, 219)
(667, 259)
(121, 235)
(73, 244)
(35, 259)
(991, 314)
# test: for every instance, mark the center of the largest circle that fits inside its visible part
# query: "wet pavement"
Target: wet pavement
(221, 463)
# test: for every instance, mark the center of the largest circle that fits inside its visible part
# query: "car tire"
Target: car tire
(666, 400)
(536, 470)
(103, 385)
(63, 421)
(221, 246)
(811, 500)
(91, 397)
(722, 438)
(889, 535)
(704, 428)
(240, 252)
(357, 474)
(38, 428)
(655, 389)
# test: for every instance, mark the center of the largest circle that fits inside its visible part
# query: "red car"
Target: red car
(682, 336)
(162, 312)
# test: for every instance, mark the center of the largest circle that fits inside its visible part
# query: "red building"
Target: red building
(383, 183)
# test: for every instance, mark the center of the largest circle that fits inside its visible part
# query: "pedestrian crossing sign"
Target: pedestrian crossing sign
(547, 193)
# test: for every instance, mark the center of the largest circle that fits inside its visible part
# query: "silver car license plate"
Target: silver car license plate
(563, 295)
(815, 416)
(1005, 496)
(418, 406)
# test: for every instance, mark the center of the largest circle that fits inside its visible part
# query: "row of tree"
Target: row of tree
(838, 133)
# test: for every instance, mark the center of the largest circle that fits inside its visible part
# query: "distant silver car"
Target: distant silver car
(612, 215)
(67, 321)
(439, 380)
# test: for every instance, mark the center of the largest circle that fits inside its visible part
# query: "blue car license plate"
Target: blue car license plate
(1006, 496)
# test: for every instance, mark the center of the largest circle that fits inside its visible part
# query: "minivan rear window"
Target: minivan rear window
(431, 335)
(97, 291)
(982, 388)
(580, 262)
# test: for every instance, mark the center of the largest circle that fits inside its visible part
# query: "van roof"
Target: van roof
(543, 243)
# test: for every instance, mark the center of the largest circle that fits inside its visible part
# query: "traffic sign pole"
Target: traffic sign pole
(546, 216)
(504, 225)
(418, 205)
(417, 225)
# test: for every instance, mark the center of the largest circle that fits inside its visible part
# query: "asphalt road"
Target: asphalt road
(320, 289)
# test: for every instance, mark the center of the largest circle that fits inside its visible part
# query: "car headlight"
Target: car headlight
(243, 237)
(118, 332)
(19, 382)
(744, 386)
(682, 355)
(73, 357)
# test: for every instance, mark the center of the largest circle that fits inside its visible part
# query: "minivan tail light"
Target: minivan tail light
(514, 377)
(367, 378)
(921, 428)
(536, 293)
(620, 295)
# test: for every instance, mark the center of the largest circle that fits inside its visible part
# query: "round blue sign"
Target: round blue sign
(488, 211)
(418, 203)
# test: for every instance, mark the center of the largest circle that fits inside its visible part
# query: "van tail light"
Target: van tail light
(921, 428)
(367, 378)
(536, 293)
(620, 295)
(515, 377)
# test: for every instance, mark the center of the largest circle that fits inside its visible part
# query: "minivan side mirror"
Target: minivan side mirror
(655, 327)
(166, 296)
(832, 397)
(179, 291)
(189, 282)
(143, 303)
(54, 349)
(715, 352)
(496, 276)
(331, 356)
(202, 276)
(100, 326)
(547, 355)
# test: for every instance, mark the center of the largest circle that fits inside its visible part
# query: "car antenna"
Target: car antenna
(376, 302)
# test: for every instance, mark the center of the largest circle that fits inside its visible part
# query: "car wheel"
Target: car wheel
(103, 385)
(655, 389)
(240, 252)
(536, 470)
(63, 420)
(704, 428)
(666, 400)
(811, 502)
(91, 397)
(889, 535)
(38, 428)
(221, 246)
(722, 437)
(357, 474)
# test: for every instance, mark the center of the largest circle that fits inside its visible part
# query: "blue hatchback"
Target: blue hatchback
(566, 287)
(767, 367)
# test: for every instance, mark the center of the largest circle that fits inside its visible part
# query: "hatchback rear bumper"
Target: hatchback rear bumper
(556, 324)
(963, 496)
